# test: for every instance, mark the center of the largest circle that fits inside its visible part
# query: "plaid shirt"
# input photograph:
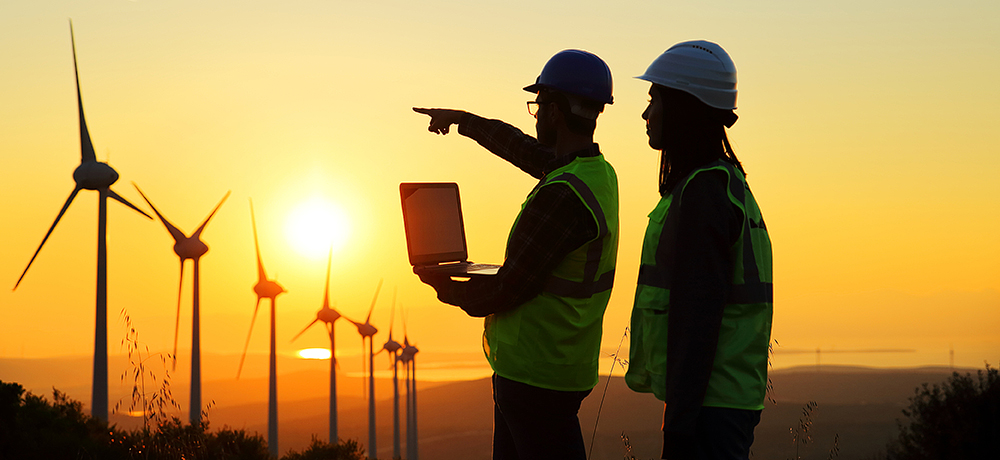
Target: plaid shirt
(553, 224)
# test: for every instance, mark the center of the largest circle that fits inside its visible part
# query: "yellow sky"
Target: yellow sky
(866, 131)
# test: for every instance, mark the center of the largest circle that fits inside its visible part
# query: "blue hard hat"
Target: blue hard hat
(578, 73)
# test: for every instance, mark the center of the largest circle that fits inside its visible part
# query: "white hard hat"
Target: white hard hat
(700, 68)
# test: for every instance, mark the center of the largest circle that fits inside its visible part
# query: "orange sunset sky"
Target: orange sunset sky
(867, 130)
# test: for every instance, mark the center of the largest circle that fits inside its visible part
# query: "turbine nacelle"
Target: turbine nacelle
(365, 329)
(94, 175)
(328, 315)
(190, 248)
(408, 353)
(267, 289)
(392, 346)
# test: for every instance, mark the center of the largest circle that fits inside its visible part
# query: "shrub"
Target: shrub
(33, 428)
(959, 419)
(319, 450)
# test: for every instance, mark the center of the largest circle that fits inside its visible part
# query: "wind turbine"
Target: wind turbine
(189, 247)
(368, 331)
(266, 289)
(329, 316)
(408, 357)
(98, 176)
(393, 348)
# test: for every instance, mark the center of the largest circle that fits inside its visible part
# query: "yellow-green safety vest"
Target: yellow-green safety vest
(553, 341)
(739, 371)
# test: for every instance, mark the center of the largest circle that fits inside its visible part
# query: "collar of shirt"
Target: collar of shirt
(560, 161)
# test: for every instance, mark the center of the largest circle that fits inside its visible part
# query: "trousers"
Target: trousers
(720, 434)
(532, 423)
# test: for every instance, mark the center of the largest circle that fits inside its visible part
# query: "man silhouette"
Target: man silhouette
(545, 306)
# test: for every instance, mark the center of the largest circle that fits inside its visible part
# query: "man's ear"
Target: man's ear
(556, 115)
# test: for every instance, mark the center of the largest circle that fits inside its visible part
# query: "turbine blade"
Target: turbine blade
(177, 322)
(86, 146)
(175, 232)
(247, 345)
(326, 291)
(203, 224)
(303, 330)
(260, 265)
(392, 314)
(118, 198)
(402, 315)
(372, 308)
(61, 212)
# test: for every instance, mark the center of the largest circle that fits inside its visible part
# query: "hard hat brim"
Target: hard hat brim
(535, 88)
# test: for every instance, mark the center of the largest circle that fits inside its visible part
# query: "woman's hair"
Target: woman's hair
(703, 142)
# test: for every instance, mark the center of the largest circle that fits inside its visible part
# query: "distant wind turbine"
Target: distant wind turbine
(189, 247)
(393, 348)
(98, 176)
(266, 289)
(368, 331)
(329, 316)
(408, 357)
(819, 352)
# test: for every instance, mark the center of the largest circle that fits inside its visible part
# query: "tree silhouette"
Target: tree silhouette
(959, 419)
(33, 428)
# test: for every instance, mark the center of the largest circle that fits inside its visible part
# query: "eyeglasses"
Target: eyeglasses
(533, 107)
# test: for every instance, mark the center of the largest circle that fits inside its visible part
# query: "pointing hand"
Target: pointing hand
(441, 119)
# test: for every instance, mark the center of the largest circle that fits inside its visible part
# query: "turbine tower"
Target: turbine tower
(329, 316)
(368, 331)
(189, 247)
(408, 357)
(266, 289)
(97, 176)
(393, 348)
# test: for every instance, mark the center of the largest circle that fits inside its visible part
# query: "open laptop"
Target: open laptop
(435, 232)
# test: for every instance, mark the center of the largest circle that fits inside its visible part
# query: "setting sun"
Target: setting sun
(315, 226)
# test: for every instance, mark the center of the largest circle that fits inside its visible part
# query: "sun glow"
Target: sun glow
(315, 226)
(314, 353)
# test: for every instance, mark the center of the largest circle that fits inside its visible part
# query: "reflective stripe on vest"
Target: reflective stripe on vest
(740, 369)
(591, 283)
(553, 340)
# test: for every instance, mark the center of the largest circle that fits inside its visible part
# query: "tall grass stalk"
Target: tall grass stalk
(616, 359)
(801, 434)
(154, 403)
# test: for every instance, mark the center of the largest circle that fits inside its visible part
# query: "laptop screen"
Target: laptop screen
(432, 218)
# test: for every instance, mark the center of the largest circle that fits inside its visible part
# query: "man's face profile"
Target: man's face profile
(544, 119)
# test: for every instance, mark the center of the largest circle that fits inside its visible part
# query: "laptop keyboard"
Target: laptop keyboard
(469, 267)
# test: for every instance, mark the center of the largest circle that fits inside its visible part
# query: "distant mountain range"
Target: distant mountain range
(859, 407)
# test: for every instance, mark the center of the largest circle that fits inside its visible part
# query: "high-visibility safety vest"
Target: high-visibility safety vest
(739, 371)
(553, 341)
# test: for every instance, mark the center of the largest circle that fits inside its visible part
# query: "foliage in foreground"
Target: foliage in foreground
(319, 450)
(32, 428)
(959, 419)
